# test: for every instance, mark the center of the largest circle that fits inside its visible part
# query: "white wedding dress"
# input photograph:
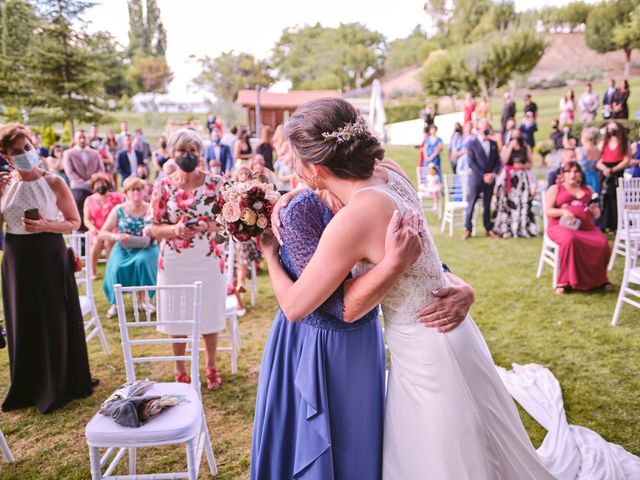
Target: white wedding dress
(448, 413)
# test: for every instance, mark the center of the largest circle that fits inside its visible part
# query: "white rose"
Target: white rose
(262, 222)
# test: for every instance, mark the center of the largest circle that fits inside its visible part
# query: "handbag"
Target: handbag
(571, 226)
(76, 263)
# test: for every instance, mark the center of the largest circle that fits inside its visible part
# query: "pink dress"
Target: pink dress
(99, 213)
(584, 253)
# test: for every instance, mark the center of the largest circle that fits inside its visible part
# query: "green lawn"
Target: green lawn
(520, 316)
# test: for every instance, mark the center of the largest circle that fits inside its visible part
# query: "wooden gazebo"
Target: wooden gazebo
(275, 108)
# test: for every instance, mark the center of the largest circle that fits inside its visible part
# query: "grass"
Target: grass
(522, 319)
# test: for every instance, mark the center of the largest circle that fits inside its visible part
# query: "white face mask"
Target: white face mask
(26, 161)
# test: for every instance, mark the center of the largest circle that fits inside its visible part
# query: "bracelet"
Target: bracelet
(173, 230)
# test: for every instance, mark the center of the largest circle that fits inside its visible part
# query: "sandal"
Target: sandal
(182, 378)
(240, 288)
(561, 290)
(214, 380)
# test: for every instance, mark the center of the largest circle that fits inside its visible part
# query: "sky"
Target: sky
(210, 27)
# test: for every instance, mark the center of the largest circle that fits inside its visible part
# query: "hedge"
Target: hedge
(403, 112)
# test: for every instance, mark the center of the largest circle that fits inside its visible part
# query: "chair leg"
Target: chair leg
(4, 447)
(94, 458)
(444, 222)
(208, 449)
(132, 461)
(98, 325)
(540, 263)
(234, 343)
(620, 301)
(451, 222)
(616, 245)
(554, 281)
(191, 459)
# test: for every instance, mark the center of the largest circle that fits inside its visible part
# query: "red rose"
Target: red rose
(185, 199)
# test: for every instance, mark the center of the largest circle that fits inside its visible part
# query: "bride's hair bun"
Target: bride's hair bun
(330, 132)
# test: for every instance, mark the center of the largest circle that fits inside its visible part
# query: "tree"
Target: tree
(313, 56)
(628, 35)
(65, 75)
(571, 16)
(228, 73)
(456, 19)
(146, 31)
(137, 35)
(608, 29)
(446, 74)
(111, 59)
(156, 34)
(410, 51)
(149, 73)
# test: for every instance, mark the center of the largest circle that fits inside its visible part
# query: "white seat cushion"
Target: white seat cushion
(174, 425)
(85, 304)
(232, 304)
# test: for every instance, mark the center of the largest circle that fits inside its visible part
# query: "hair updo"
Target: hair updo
(354, 157)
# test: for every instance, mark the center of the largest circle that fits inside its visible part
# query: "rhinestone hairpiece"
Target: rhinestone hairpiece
(349, 131)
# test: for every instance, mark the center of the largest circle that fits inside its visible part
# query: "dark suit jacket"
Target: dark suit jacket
(224, 155)
(479, 162)
(607, 98)
(123, 167)
(508, 111)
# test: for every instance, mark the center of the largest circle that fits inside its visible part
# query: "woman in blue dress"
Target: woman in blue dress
(432, 148)
(134, 257)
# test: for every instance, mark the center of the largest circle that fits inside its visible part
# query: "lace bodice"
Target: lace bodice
(413, 289)
(21, 196)
(303, 222)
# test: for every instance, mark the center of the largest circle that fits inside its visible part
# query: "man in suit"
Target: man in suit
(142, 146)
(484, 163)
(508, 110)
(607, 100)
(128, 159)
(80, 163)
(219, 151)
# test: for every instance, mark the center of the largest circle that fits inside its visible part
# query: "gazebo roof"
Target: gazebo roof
(290, 100)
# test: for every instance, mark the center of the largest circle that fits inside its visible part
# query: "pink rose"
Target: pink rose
(231, 212)
(180, 243)
(185, 199)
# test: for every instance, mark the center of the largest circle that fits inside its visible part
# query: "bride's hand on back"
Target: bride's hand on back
(403, 240)
(450, 308)
(282, 202)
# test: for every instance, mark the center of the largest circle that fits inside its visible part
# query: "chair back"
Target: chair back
(80, 242)
(421, 175)
(454, 187)
(631, 219)
(633, 183)
(183, 305)
(543, 206)
(230, 264)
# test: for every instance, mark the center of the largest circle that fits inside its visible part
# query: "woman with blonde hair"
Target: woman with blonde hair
(183, 222)
(134, 259)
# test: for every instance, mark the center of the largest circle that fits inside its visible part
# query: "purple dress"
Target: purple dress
(320, 402)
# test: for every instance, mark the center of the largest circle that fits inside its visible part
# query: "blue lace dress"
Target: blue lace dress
(130, 267)
(320, 402)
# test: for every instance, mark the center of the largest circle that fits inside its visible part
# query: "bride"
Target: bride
(448, 414)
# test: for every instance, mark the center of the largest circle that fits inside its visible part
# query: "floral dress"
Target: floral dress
(187, 261)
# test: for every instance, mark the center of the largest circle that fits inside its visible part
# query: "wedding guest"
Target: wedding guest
(462, 166)
(211, 122)
(264, 147)
(189, 253)
(97, 208)
(509, 127)
(528, 127)
(218, 151)
(455, 145)
(43, 152)
(128, 159)
(94, 136)
(613, 161)
(259, 169)
(619, 104)
(530, 106)
(111, 142)
(557, 134)
(141, 145)
(484, 163)
(588, 104)
(55, 162)
(567, 107)
(134, 259)
(588, 156)
(229, 139)
(160, 155)
(607, 100)
(482, 109)
(469, 107)
(80, 164)
(432, 148)
(48, 360)
(428, 115)
(567, 155)
(242, 150)
(284, 169)
(124, 131)
(513, 216)
(508, 109)
(584, 250)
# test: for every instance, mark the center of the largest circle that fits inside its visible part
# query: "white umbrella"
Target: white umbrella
(377, 117)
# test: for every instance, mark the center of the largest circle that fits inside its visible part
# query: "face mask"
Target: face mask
(142, 176)
(187, 162)
(95, 144)
(163, 144)
(136, 195)
(216, 141)
(216, 170)
(102, 189)
(487, 132)
(26, 161)
(613, 131)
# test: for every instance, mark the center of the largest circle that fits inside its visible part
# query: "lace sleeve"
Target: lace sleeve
(303, 222)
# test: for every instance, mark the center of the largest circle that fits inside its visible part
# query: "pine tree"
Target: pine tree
(156, 34)
(137, 27)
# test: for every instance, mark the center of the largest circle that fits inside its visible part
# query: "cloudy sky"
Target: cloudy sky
(209, 27)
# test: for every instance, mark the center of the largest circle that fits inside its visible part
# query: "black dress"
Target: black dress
(48, 359)
(266, 150)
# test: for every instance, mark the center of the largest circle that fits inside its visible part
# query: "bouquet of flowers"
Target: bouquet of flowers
(243, 209)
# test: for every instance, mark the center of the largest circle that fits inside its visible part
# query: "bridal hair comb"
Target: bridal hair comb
(349, 131)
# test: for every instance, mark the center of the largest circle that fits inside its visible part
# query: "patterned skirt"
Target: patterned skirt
(513, 215)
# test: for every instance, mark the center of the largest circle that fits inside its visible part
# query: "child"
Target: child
(432, 185)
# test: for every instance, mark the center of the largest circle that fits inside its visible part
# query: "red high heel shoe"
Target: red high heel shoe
(182, 378)
(214, 380)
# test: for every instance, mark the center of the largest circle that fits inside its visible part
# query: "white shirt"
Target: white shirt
(84, 154)
(133, 161)
(486, 146)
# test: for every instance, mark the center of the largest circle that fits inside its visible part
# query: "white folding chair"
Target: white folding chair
(233, 334)
(536, 203)
(254, 283)
(427, 198)
(550, 249)
(181, 424)
(631, 219)
(455, 202)
(4, 447)
(627, 194)
(81, 245)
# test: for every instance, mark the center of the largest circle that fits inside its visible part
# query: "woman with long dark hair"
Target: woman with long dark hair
(614, 160)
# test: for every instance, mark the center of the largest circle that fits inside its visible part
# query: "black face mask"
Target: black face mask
(187, 162)
(102, 189)
(487, 132)
(163, 144)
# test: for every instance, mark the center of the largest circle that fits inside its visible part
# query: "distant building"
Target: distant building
(198, 103)
(275, 108)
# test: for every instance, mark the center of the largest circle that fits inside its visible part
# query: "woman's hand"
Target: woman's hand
(594, 209)
(569, 217)
(37, 226)
(123, 238)
(280, 204)
(450, 308)
(5, 180)
(184, 232)
(403, 240)
(201, 227)
(268, 243)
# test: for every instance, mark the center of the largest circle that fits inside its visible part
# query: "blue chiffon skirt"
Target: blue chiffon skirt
(130, 268)
(320, 402)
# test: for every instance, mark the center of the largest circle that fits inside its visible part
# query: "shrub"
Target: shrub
(405, 111)
(67, 134)
(49, 136)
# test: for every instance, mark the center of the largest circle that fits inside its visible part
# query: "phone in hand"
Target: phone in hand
(32, 214)
(192, 223)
